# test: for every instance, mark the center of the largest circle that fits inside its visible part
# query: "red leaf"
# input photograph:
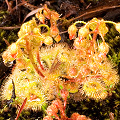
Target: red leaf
(21, 108)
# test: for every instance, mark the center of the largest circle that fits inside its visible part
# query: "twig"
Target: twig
(8, 28)
(9, 7)
(88, 12)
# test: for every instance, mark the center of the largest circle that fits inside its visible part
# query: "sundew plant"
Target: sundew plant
(47, 69)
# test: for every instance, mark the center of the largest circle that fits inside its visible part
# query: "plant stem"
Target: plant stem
(32, 59)
(43, 25)
(79, 22)
(39, 61)
(111, 22)
(95, 32)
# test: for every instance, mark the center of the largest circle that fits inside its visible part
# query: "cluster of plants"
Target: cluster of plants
(47, 69)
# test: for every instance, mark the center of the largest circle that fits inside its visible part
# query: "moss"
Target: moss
(1, 118)
(113, 39)
(98, 109)
(9, 35)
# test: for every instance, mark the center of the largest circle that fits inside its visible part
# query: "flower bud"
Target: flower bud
(74, 116)
(57, 38)
(36, 30)
(48, 40)
(54, 31)
(27, 27)
(13, 50)
(72, 32)
(83, 32)
(80, 43)
(81, 117)
(117, 26)
(54, 15)
(103, 48)
(40, 17)
(47, 118)
(47, 12)
(10, 54)
(7, 56)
